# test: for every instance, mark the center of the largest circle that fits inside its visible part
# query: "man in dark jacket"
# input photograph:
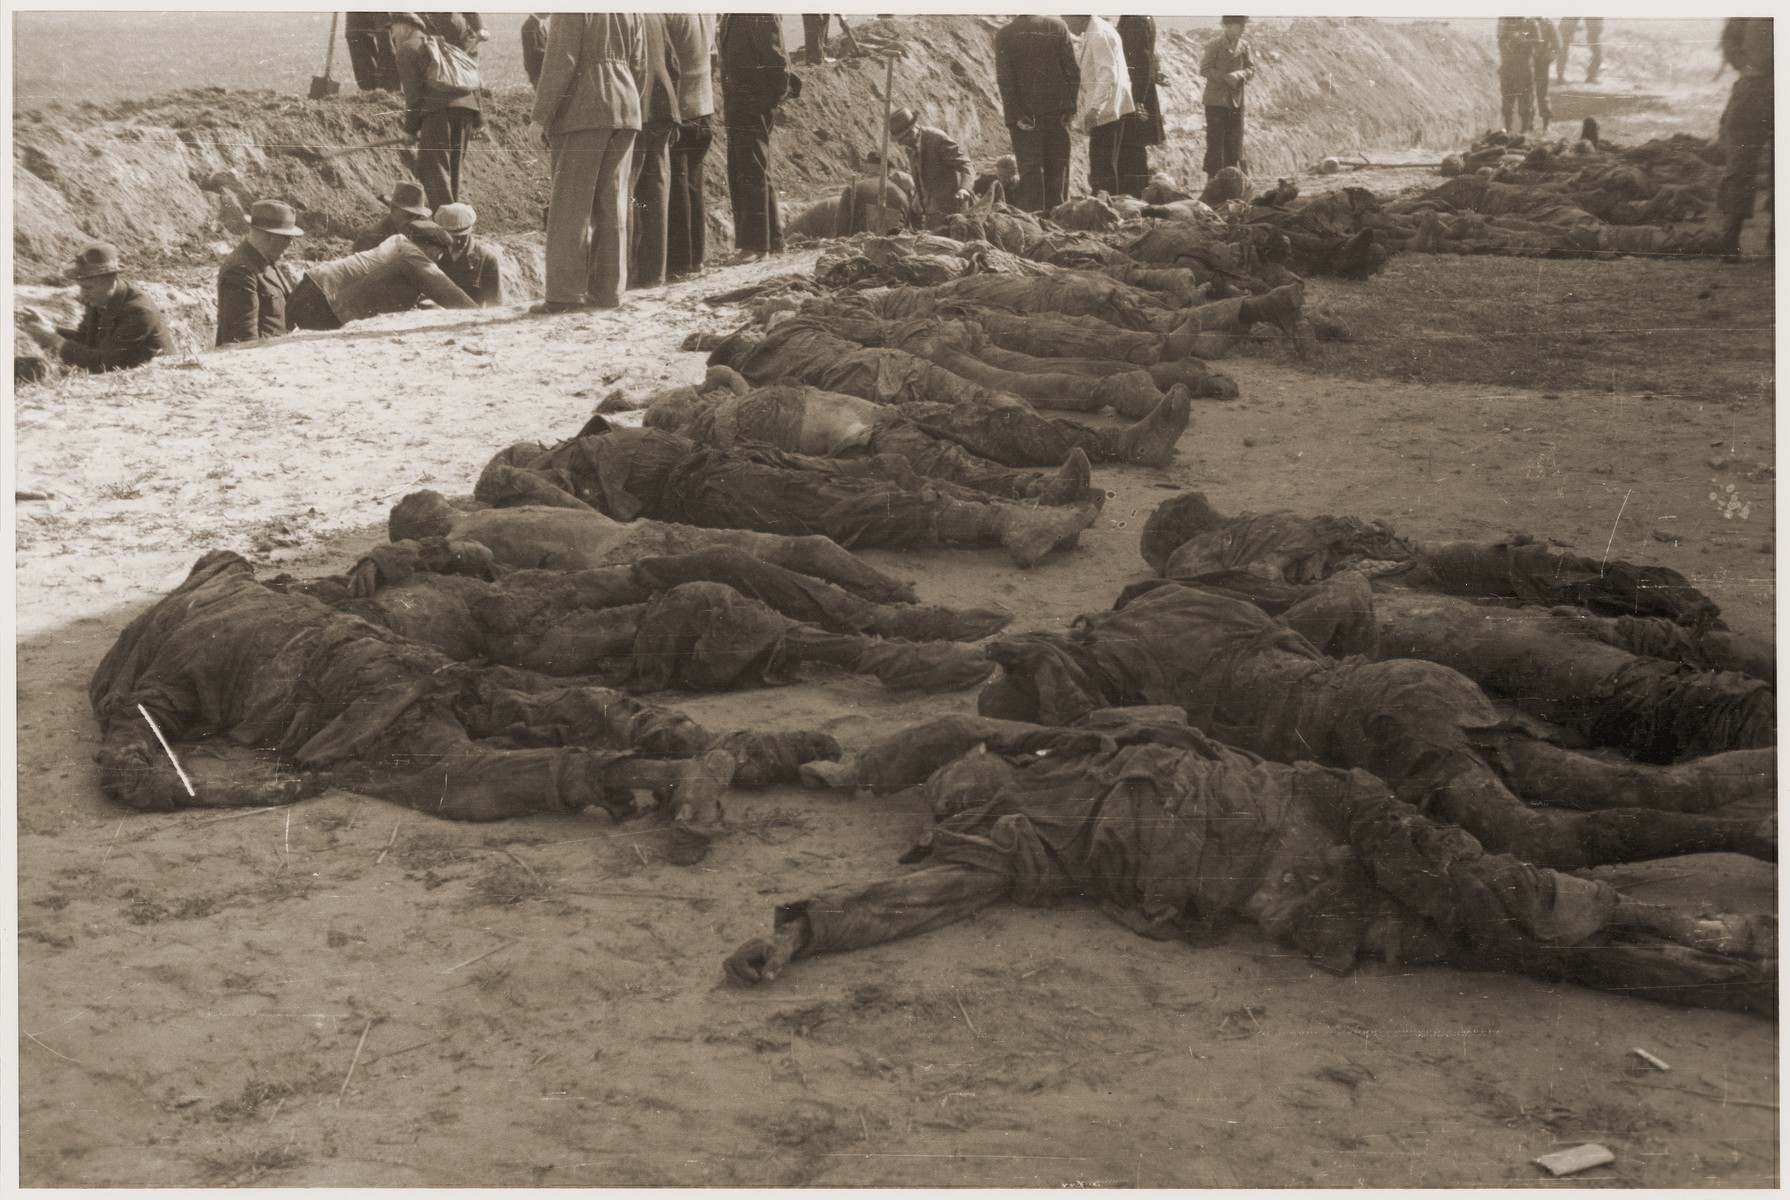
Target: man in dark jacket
(120, 327)
(1035, 68)
(659, 120)
(475, 266)
(442, 121)
(251, 291)
(404, 205)
(1227, 68)
(942, 174)
(1143, 128)
(755, 79)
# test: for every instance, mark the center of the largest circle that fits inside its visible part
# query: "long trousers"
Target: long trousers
(757, 224)
(1134, 156)
(440, 146)
(587, 216)
(652, 188)
(1746, 131)
(1516, 91)
(1103, 157)
(1224, 138)
(814, 35)
(1043, 154)
(686, 239)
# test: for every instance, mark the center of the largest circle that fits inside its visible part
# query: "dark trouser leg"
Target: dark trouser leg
(757, 228)
(1134, 157)
(308, 308)
(1543, 110)
(1224, 138)
(1746, 131)
(1594, 38)
(1503, 914)
(440, 145)
(1103, 157)
(363, 56)
(686, 241)
(652, 155)
(1028, 150)
(1053, 137)
(814, 36)
(942, 459)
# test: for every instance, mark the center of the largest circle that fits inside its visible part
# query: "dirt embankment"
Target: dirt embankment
(168, 178)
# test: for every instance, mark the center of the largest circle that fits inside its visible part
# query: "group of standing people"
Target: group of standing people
(1108, 87)
(1527, 48)
(625, 104)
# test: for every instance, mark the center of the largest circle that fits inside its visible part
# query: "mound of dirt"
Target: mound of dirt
(167, 178)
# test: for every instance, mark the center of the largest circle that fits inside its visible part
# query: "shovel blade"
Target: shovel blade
(323, 87)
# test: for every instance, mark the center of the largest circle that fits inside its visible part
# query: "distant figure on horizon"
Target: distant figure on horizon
(120, 327)
(1227, 68)
(1594, 39)
(251, 291)
(1039, 81)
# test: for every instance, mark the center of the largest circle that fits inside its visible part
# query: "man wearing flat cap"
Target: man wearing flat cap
(476, 267)
(120, 327)
(404, 205)
(251, 291)
(942, 174)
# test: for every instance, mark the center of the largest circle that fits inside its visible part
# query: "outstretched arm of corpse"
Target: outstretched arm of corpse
(850, 918)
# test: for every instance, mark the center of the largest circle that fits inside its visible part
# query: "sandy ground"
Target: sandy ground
(347, 993)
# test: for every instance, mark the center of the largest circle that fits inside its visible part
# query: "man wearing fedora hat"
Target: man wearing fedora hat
(476, 267)
(404, 205)
(251, 291)
(942, 174)
(120, 326)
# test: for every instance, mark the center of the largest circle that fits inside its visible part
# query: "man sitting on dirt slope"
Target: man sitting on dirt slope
(394, 276)
(1428, 730)
(1176, 835)
(709, 619)
(252, 292)
(724, 411)
(120, 327)
(628, 473)
(995, 425)
(293, 697)
(404, 205)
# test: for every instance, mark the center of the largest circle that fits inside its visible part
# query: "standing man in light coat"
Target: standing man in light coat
(1105, 99)
(1227, 67)
(692, 39)
(588, 108)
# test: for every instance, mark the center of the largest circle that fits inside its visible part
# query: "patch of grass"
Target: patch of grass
(238, 1168)
(506, 884)
(1677, 328)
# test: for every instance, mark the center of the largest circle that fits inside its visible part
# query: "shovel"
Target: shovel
(322, 86)
(880, 218)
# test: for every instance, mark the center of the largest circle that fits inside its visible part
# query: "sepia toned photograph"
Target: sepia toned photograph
(893, 600)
